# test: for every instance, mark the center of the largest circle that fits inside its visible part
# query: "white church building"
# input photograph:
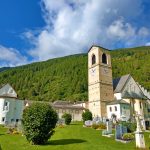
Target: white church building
(11, 108)
(130, 98)
(120, 98)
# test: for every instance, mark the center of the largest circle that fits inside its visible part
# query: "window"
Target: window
(17, 120)
(104, 58)
(110, 109)
(93, 59)
(115, 108)
(140, 105)
(5, 106)
(3, 119)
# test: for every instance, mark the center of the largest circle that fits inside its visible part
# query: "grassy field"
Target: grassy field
(72, 137)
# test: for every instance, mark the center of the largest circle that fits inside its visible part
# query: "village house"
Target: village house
(11, 108)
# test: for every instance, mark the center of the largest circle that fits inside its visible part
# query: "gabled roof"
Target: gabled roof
(118, 102)
(119, 83)
(59, 102)
(98, 47)
(133, 95)
(66, 105)
(6, 90)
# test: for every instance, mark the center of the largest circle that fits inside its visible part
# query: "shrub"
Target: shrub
(12, 131)
(128, 136)
(131, 127)
(99, 126)
(86, 115)
(102, 126)
(95, 126)
(38, 121)
(67, 118)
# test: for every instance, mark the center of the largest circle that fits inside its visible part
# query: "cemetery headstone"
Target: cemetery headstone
(120, 130)
(109, 126)
(61, 121)
(88, 123)
(104, 120)
(139, 135)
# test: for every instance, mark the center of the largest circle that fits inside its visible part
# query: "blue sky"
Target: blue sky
(37, 30)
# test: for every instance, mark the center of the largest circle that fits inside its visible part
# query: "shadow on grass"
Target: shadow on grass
(65, 141)
(74, 124)
(1, 134)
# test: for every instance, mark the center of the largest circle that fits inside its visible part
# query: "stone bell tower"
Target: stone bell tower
(100, 88)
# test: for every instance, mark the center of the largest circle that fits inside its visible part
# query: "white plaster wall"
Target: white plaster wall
(117, 96)
(76, 114)
(117, 113)
(14, 112)
(2, 113)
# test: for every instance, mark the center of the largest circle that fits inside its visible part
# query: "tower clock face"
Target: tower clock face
(93, 71)
(105, 71)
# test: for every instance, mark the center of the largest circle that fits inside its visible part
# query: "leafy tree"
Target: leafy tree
(38, 121)
(67, 118)
(86, 115)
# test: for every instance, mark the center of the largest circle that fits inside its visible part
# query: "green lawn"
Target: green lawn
(72, 137)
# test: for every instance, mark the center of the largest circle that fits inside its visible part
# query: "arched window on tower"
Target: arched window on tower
(104, 58)
(93, 59)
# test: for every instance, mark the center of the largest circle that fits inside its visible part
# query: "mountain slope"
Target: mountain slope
(4, 68)
(66, 78)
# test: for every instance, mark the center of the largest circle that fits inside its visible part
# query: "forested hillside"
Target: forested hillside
(66, 78)
(4, 68)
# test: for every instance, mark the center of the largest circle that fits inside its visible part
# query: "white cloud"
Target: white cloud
(121, 30)
(147, 44)
(11, 57)
(144, 31)
(72, 26)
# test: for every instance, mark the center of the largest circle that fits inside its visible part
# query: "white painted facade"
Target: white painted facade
(132, 88)
(136, 99)
(11, 108)
(117, 96)
(113, 110)
(121, 111)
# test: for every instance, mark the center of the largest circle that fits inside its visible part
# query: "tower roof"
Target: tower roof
(98, 47)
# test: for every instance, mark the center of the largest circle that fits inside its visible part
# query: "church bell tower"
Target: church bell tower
(100, 88)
